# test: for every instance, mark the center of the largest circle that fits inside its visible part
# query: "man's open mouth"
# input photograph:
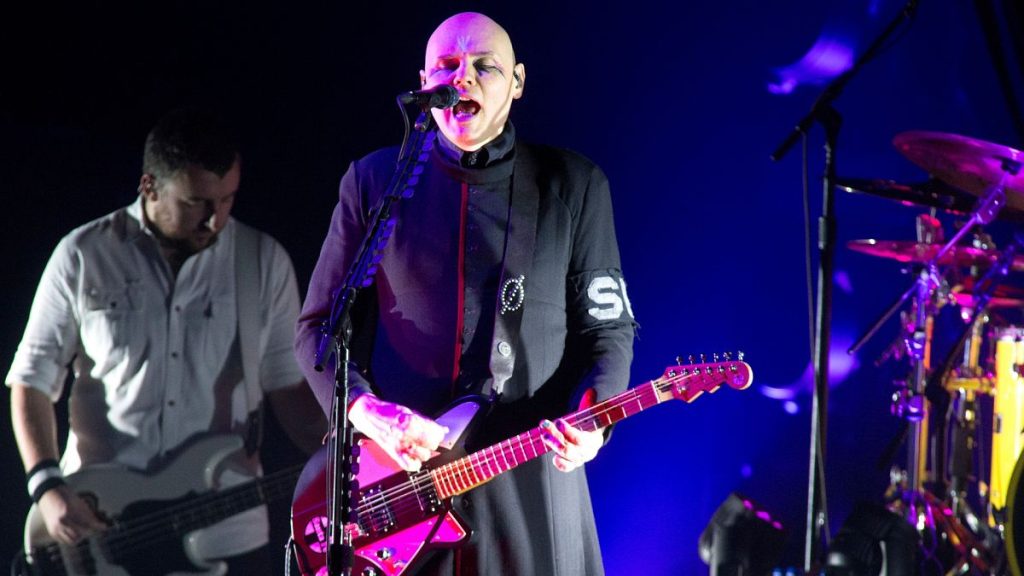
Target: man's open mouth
(465, 109)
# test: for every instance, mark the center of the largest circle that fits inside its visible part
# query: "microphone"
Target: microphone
(441, 96)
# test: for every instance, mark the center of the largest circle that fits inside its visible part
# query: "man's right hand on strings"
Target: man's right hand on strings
(408, 437)
(67, 516)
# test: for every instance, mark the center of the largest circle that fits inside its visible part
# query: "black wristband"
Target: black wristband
(45, 486)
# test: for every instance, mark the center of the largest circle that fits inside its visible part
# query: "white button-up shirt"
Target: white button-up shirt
(156, 358)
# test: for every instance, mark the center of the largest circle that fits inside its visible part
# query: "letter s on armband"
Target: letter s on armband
(609, 298)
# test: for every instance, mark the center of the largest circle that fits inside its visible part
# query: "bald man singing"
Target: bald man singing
(502, 280)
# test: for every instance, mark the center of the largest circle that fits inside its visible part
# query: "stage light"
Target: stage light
(871, 537)
(742, 539)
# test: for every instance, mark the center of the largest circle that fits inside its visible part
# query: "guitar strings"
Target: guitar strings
(468, 467)
(390, 504)
(467, 471)
(153, 527)
(150, 528)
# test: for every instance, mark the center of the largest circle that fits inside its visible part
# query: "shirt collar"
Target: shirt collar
(136, 223)
(489, 154)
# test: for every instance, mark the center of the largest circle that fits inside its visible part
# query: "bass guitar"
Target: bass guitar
(402, 516)
(151, 517)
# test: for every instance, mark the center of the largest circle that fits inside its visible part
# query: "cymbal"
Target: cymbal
(934, 193)
(967, 163)
(908, 251)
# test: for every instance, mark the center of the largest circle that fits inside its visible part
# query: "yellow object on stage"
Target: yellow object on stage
(1008, 412)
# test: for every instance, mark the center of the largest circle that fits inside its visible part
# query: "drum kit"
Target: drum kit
(962, 487)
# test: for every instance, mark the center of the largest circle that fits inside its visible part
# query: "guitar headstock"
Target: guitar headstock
(688, 381)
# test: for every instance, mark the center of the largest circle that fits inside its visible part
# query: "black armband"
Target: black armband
(44, 476)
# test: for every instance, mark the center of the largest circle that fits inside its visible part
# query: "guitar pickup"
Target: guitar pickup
(427, 496)
(375, 511)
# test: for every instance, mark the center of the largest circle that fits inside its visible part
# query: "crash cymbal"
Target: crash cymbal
(967, 163)
(933, 193)
(908, 251)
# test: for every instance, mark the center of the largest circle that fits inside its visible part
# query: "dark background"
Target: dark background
(671, 99)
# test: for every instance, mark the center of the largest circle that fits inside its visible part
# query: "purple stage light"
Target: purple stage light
(841, 365)
(830, 56)
(843, 281)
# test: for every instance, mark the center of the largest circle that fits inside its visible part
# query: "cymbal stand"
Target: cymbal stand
(963, 414)
(910, 402)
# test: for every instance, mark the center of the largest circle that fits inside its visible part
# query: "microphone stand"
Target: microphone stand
(336, 333)
(823, 113)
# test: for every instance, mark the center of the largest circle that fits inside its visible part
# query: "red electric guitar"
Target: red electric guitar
(404, 515)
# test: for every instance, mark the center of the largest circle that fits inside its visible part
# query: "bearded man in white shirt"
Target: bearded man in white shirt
(143, 306)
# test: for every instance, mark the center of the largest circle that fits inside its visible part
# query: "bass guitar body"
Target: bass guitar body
(117, 494)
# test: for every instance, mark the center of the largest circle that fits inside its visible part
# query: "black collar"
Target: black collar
(491, 153)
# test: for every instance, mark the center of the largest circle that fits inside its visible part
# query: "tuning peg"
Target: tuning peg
(728, 356)
(690, 358)
(703, 359)
(714, 358)
(739, 355)
(679, 360)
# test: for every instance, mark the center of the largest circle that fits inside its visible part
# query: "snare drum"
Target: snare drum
(1008, 412)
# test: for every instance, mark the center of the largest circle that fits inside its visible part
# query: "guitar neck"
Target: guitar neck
(471, 471)
(213, 507)
(681, 382)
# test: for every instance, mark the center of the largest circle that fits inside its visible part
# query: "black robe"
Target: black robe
(576, 331)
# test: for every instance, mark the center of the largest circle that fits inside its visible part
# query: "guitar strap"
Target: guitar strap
(520, 239)
(249, 311)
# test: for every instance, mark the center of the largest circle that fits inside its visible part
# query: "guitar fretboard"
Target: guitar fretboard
(475, 469)
(470, 471)
(201, 511)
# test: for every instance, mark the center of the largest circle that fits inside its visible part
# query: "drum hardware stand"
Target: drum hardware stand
(962, 447)
(974, 539)
(935, 522)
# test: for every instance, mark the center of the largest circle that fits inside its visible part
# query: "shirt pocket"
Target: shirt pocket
(109, 326)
